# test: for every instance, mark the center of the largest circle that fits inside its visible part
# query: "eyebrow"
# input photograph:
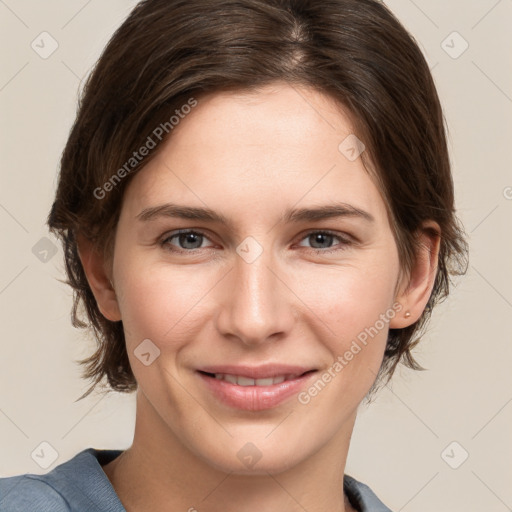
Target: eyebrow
(291, 216)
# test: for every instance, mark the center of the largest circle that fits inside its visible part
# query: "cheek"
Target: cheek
(353, 326)
(348, 300)
(352, 309)
(161, 303)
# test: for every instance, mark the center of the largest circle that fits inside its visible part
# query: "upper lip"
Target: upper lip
(257, 372)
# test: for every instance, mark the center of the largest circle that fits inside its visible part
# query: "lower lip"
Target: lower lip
(254, 398)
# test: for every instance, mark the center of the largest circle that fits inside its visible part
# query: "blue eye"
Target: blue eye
(189, 241)
(326, 237)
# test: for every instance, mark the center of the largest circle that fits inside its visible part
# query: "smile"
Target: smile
(257, 391)
(240, 380)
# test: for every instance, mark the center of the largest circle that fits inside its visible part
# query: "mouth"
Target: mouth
(254, 388)
(242, 380)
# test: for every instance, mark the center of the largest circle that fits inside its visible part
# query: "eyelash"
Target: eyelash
(345, 241)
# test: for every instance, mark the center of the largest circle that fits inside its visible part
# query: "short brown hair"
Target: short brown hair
(169, 51)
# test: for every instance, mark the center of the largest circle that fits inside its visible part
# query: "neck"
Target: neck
(158, 472)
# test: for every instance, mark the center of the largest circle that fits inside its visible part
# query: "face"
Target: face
(286, 269)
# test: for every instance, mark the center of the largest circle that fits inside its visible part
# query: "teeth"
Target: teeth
(246, 381)
(231, 378)
(243, 381)
(265, 382)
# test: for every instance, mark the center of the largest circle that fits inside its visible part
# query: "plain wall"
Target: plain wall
(465, 395)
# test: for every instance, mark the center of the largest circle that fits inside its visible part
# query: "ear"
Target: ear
(99, 277)
(416, 288)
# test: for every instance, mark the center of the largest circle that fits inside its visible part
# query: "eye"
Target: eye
(322, 238)
(186, 239)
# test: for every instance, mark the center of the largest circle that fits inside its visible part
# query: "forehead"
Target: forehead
(278, 114)
(275, 147)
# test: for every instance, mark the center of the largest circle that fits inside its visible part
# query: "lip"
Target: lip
(255, 398)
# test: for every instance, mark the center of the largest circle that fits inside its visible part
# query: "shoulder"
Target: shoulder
(29, 492)
(76, 485)
(362, 497)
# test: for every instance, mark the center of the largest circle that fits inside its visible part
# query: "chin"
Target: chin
(241, 456)
(275, 464)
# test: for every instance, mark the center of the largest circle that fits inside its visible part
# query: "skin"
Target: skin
(251, 157)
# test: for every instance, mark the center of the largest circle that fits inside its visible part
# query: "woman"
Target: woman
(217, 147)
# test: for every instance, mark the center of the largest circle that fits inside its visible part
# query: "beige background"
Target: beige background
(465, 396)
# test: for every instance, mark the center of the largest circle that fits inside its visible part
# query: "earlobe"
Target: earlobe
(99, 280)
(415, 294)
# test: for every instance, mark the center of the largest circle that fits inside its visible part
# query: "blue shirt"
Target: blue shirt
(81, 485)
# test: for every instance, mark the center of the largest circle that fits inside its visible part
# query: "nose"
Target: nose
(257, 304)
